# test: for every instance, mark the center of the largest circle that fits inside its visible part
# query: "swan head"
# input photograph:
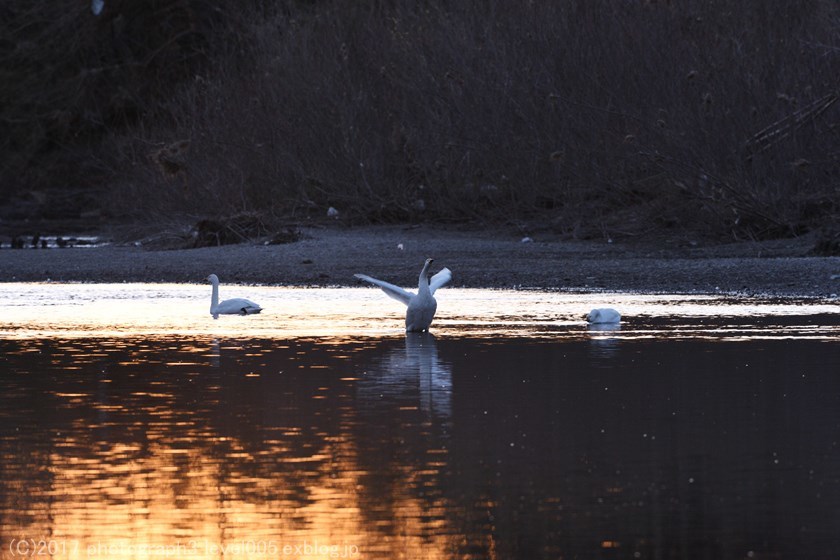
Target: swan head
(426, 273)
(213, 279)
(425, 276)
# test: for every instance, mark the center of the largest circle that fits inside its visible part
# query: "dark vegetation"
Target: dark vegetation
(704, 118)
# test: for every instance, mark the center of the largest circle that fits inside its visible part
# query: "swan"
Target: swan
(235, 306)
(422, 305)
(603, 315)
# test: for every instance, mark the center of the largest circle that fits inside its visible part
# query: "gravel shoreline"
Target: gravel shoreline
(478, 259)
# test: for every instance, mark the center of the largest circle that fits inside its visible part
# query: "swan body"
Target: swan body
(421, 306)
(604, 315)
(235, 306)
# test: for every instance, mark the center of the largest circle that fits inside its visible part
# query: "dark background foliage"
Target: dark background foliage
(590, 117)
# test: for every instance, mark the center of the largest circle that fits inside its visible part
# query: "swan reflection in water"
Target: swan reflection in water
(411, 376)
(604, 341)
(215, 354)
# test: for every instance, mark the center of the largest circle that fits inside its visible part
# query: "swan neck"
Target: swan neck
(423, 281)
(214, 299)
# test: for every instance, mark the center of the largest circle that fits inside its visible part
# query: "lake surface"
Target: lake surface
(133, 425)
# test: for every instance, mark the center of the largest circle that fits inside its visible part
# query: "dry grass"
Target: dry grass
(591, 117)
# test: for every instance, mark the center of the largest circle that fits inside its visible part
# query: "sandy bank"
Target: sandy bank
(330, 256)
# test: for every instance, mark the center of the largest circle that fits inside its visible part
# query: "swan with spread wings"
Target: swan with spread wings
(421, 306)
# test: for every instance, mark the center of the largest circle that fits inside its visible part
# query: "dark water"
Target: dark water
(416, 447)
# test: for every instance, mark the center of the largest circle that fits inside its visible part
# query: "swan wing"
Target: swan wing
(237, 306)
(251, 309)
(393, 291)
(440, 279)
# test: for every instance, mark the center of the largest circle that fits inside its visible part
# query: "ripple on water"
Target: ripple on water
(131, 421)
(78, 310)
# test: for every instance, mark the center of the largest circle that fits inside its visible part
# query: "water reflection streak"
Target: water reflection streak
(130, 427)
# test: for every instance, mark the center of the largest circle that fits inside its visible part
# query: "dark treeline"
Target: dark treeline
(591, 117)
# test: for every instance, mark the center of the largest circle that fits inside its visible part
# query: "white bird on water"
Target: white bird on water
(603, 315)
(235, 306)
(422, 305)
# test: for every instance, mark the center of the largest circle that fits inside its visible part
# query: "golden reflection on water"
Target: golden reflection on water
(200, 500)
(139, 427)
(168, 458)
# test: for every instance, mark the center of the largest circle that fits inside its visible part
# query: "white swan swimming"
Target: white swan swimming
(603, 315)
(422, 305)
(235, 306)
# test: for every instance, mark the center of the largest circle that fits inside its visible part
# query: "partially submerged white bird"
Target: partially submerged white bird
(422, 305)
(235, 306)
(603, 315)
